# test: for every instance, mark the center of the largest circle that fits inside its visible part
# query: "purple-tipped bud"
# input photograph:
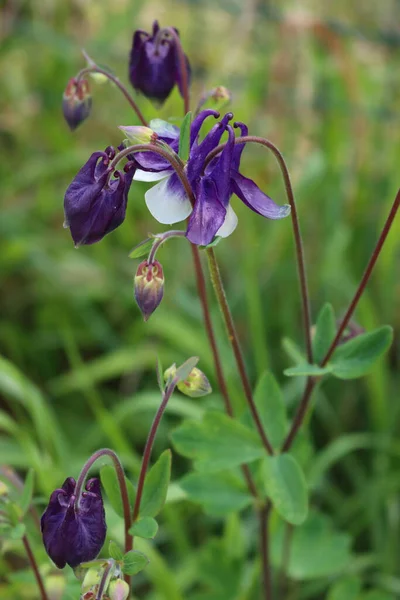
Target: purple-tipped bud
(72, 535)
(95, 203)
(194, 386)
(118, 590)
(77, 102)
(154, 64)
(149, 287)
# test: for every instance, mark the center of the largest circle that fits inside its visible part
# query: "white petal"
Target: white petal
(229, 225)
(167, 205)
(149, 176)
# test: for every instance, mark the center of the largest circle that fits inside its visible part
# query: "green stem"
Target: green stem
(234, 341)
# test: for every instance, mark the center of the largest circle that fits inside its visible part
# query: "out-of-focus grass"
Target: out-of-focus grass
(323, 82)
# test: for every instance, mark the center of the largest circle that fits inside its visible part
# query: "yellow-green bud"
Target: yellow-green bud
(195, 386)
(91, 579)
(3, 489)
(118, 590)
(139, 134)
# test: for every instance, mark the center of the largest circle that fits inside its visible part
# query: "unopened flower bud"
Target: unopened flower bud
(139, 134)
(3, 489)
(149, 287)
(118, 590)
(77, 102)
(195, 386)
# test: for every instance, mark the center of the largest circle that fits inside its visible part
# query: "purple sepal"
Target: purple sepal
(73, 536)
(154, 67)
(94, 203)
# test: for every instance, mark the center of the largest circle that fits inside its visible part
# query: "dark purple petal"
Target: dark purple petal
(198, 122)
(74, 536)
(208, 214)
(94, 204)
(237, 154)
(221, 172)
(255, 199)
(153, 68)
(199, 153)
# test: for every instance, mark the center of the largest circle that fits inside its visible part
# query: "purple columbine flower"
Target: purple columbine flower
(95, 203)
(154, 64)
(74, 535)
(213, 185)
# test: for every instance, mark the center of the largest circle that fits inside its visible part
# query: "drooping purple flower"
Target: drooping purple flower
(77, 102)
(213, 184)
(154, 64)
(74, 535)
(95, 203)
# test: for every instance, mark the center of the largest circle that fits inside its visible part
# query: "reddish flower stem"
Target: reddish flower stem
(295, 224)
(311, 381)
(264, 550)
(95, 69)
(35, 568)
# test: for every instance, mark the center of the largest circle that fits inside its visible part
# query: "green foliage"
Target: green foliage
(134, 562)
(218, 493)
(115, 551)
(324, 332)
(145, 527)
(184, 137)
(109, 481)
(286, 486)
(27, 492)
(348, 588)
(143, 248)
(156, 486)
(217, 442)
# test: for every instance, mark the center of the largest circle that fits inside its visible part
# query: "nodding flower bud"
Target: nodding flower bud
(196, 384)
(118, 590)
(149, 287)
(139, 134)
(77, 102)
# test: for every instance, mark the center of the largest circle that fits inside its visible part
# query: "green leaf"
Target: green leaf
(134, 562)
(184, 137)
(146, 527)
(286, 486)
(186, 368)
(27, 492)
(270, 404)
(110, 483)
(306, 369)
(17, 532)
(213, 243)
(377, 595)
(356, 357)
(115, 551)
(142, 249)
(217, 442)
(293, 351)
(317, 549)
(219, 493)
(345, 589)
(156, 486)
(324, 333)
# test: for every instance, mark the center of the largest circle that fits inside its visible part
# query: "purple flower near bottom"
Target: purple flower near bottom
(213, 184)
(95, 203)
(72, 536)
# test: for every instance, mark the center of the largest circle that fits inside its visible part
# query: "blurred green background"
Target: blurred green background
(321, 80)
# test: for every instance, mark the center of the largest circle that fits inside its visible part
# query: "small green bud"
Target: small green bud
(149, 287)
(118, 590)
(196, 384)
(91, 579)
(3, 489)
(139, 134)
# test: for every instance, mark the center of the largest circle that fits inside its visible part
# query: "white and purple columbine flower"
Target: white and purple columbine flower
(213, 185)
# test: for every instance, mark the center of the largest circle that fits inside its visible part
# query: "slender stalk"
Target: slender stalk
(202, 292)
(311, 381)
(149, 446)
(95, 69)
(122, 486)
(234, 340)
(104, 580)
(296, 229)
(35, 568)
(264, 549)
(183, 68)
(160, 241)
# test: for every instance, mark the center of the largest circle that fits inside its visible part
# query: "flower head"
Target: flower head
(213, 183)
(77, 102)
(154, 64)
(95, 203)
(72, 535)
